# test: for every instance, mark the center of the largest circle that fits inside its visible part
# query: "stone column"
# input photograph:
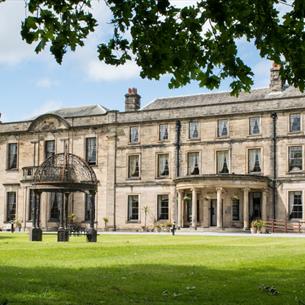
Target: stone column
(219, 207)
(264, 205)
(206, 209)
(37, 199)
(35, 232)
(62, 234)
(180, 196)
(194, 208)
(66, 209)
(92, 233)
(246, 208)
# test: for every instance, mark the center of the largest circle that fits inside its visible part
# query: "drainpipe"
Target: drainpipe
(115, 168)
(177, 144)
(274, 142)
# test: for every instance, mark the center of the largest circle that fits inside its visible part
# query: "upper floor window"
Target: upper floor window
(49, 149)
(163, 168)
(222, 128)
(12, 156)
(134, 135)
(254, 126)
(295, 158)
(235, 209)
(192, 163)
(133, 166)
(295, 122)
(163, 132)
(254, 160)
(10, 206)
(295, 205)
(222, 162)
(91, 151)
(133, 208)
(162, 207)
(193, 130)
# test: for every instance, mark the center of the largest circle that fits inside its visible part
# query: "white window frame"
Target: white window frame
(187, 163)
(130, 140)
(128, 171)
(259, 124)
(228, 128)
(261, 163)
(139, 209)
(158, 165)
(288, 158)
(288, 204)
(189, 129)
(301, 123)
(228, 161)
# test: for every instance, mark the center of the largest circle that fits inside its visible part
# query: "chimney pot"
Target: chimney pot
(132, 100)
(276, 83)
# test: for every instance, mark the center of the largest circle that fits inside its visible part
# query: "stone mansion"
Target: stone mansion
(202, 161)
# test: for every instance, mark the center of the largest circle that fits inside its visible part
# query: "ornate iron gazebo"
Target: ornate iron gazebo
(64, 173)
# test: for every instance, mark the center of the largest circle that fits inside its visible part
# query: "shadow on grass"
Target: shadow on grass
(148, 285)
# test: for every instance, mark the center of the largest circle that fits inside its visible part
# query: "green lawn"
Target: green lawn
(151, 270)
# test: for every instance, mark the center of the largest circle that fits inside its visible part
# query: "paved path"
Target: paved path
(194, 233)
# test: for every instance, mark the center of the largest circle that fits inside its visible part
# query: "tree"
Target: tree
(197, 42)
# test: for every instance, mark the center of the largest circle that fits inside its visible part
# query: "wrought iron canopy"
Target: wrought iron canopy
(65, 172)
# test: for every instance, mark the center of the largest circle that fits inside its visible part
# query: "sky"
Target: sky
(32, 84)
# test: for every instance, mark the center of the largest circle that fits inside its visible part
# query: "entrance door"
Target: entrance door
(255, 199)
(213, 212)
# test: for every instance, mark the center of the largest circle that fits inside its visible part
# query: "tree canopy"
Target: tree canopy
(197, 42)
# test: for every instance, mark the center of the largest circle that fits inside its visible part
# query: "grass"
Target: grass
(151, 270)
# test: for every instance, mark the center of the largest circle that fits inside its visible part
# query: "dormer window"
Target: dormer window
(223, 128)
(295, 122)
(193, 130)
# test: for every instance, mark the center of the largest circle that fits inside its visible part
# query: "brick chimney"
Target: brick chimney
(132, 100)
(276, 83)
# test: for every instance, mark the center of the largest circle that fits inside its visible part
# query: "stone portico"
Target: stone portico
(206, 201)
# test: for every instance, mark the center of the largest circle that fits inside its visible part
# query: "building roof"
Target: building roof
(80, 111)
(220, 98)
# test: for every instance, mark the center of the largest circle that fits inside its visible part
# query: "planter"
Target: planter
(253, 230)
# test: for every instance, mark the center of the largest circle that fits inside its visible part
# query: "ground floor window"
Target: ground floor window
(11, 206)
(133, 208)
(162, 207)
(295, 205)
(55, 201)
(235, 210)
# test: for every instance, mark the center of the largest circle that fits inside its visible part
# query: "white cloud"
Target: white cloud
(13, 49)
(46, 83)
(99, 71)
(261, 73)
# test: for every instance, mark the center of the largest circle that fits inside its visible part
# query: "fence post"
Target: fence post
(272, 225)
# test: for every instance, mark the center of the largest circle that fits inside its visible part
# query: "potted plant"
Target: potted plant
(18, 224)
(106, 220)
(259, 225)
(256, 226)
(253, 228)
(72, 218)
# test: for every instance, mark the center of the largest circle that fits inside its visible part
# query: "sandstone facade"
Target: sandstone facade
(201, 161)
